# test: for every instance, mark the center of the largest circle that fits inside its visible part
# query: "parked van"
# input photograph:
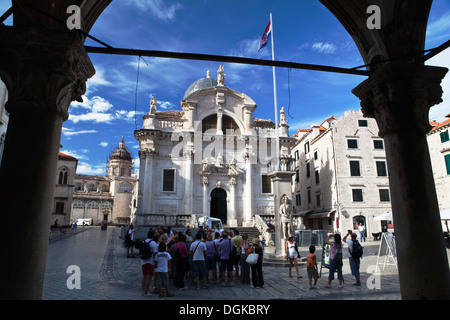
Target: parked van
(87, 222)
(212, 223)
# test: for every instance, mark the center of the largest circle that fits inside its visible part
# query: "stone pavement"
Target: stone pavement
(119, 278)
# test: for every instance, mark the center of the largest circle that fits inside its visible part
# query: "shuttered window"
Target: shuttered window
(447, 162)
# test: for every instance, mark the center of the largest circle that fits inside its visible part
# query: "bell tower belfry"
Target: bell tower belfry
(120, 163)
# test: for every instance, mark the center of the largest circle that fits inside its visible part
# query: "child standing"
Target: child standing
(311, 267)
(162, 265)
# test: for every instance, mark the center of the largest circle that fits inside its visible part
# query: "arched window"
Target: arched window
(210, 122)
(106, 205)
(78, 204)
(91, 188)
(63, 175)
(92, 204)
(125, 187)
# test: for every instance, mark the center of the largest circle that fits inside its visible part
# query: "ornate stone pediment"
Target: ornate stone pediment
(217, 168)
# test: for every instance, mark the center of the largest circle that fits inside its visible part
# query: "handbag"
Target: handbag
(252, 258)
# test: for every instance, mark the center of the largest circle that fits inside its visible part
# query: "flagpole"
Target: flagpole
(275, 98)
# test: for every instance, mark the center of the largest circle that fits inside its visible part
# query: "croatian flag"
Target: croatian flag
(265, 37)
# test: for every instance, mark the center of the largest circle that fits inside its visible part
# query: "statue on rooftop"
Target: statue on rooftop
(153, 105)
(220, 76)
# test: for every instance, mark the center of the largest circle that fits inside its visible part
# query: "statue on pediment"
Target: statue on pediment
(153, 105)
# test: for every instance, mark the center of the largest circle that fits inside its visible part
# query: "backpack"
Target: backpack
(357, 250)
(145, 251)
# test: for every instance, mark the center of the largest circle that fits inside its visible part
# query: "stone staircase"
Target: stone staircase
(251, 231)
(141, 233)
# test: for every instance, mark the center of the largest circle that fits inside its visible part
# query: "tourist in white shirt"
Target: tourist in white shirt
(362, 230)
(199, 254)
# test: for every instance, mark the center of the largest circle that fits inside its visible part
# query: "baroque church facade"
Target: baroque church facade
(212, 158)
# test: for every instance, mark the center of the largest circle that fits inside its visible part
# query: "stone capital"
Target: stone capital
(44, 71)
(399, 96)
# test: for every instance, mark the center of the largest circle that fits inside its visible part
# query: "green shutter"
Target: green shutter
(444, 136)
(447, 163)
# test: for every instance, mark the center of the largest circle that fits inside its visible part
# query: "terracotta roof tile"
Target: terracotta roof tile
(63, 156)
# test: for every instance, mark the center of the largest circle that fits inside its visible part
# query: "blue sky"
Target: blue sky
(304, 31)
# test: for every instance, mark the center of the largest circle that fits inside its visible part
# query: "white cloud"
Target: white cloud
(439, 29)
(103, 144)
(325, 48)
(86, 168)
(127, 115)
(166, 105)
(70, 132)
(158, 8)
(92, 116)
(75, 154)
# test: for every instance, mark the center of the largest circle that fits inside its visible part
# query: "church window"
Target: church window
(78, 187)
(125, 187)
(210, 122)
(266, 184)
(78, 204)
(168, 180)
(63, 175)
(228, 124)
(92, 204)
(106, 205)
(91, 188)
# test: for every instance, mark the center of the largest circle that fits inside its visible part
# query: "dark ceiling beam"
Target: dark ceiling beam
(230, 59)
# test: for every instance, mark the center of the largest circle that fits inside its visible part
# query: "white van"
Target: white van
(87, 222)
(212, 223)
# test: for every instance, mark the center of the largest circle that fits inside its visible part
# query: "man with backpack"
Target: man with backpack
(355, 252)
(147, 252)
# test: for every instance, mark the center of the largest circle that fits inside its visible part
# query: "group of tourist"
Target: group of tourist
(212, 257)
(208, 257)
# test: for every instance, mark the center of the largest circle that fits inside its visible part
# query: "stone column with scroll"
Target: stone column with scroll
(399, 97)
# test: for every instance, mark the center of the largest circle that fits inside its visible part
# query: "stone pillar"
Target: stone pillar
(44, 70)
(399, 97)
(148, 182)
(282, 186)
(205, 183)
(248, 191)
(140, 201)
(232, 221)
(189, 177)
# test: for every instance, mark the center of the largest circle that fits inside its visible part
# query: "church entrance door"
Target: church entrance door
(219, 204)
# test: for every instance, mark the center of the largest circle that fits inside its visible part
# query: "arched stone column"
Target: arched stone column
(45, 68)
(399, 98)
(399, 94)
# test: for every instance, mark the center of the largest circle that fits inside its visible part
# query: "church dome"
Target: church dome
(121, 153)
(201, 84)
